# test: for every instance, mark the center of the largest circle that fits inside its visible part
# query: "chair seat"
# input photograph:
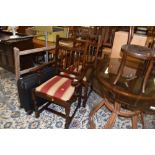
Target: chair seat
(57, 87)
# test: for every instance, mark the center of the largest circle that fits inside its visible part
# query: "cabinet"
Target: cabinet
(6, 50)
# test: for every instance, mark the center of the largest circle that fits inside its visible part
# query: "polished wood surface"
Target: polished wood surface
(123, 99)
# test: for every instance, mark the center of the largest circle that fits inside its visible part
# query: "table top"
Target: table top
(138, 51)
(5, 37)
(127, 91)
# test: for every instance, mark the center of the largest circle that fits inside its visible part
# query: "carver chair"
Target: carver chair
(66, 87)
(90, 58)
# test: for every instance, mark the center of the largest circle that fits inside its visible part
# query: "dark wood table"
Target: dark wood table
(138, 52)
(7, 44)
(124, 99)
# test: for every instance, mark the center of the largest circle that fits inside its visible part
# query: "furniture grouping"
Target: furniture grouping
(83, 64)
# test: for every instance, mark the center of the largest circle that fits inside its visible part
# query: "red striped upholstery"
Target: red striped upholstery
(57, 87)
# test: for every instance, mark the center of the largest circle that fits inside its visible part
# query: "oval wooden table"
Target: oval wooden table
(124, 99)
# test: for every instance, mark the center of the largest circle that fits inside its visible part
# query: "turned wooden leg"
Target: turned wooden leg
(85, 96)
(147, 75)
(67, 111)
(79, 97)
(37, 114)
(134, 121)
(142, 120)
(92, 113)
(121, 67)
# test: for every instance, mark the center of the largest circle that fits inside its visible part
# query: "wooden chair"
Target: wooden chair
(66, 87)
(92, 55)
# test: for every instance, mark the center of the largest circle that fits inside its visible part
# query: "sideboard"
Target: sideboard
(7, 44)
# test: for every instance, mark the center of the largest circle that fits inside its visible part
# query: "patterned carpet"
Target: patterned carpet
(11, 116)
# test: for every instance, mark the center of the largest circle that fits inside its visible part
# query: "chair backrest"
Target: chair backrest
(79, 59)
(107, 36)
(71, 59)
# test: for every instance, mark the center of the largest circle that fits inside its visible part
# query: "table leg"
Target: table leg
(147, 75)
(121, 67)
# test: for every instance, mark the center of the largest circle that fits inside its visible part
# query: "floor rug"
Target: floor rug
(13, 117)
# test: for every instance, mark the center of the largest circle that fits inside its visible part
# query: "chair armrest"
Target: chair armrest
(79, 79)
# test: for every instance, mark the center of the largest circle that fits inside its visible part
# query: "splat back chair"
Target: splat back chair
(64, 88)
(92, 55)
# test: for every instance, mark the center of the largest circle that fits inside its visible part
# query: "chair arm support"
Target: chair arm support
(79, 80)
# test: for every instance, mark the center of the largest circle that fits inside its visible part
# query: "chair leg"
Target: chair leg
(120, 70)
(68, 119)
(85, 96)
(134, 121)
(79, 97)
(37, 114)
(142, 120)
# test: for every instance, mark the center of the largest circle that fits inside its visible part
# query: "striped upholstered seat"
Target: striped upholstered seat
(57, 87)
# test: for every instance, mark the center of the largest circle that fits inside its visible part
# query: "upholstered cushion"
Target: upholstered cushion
(57, 87)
